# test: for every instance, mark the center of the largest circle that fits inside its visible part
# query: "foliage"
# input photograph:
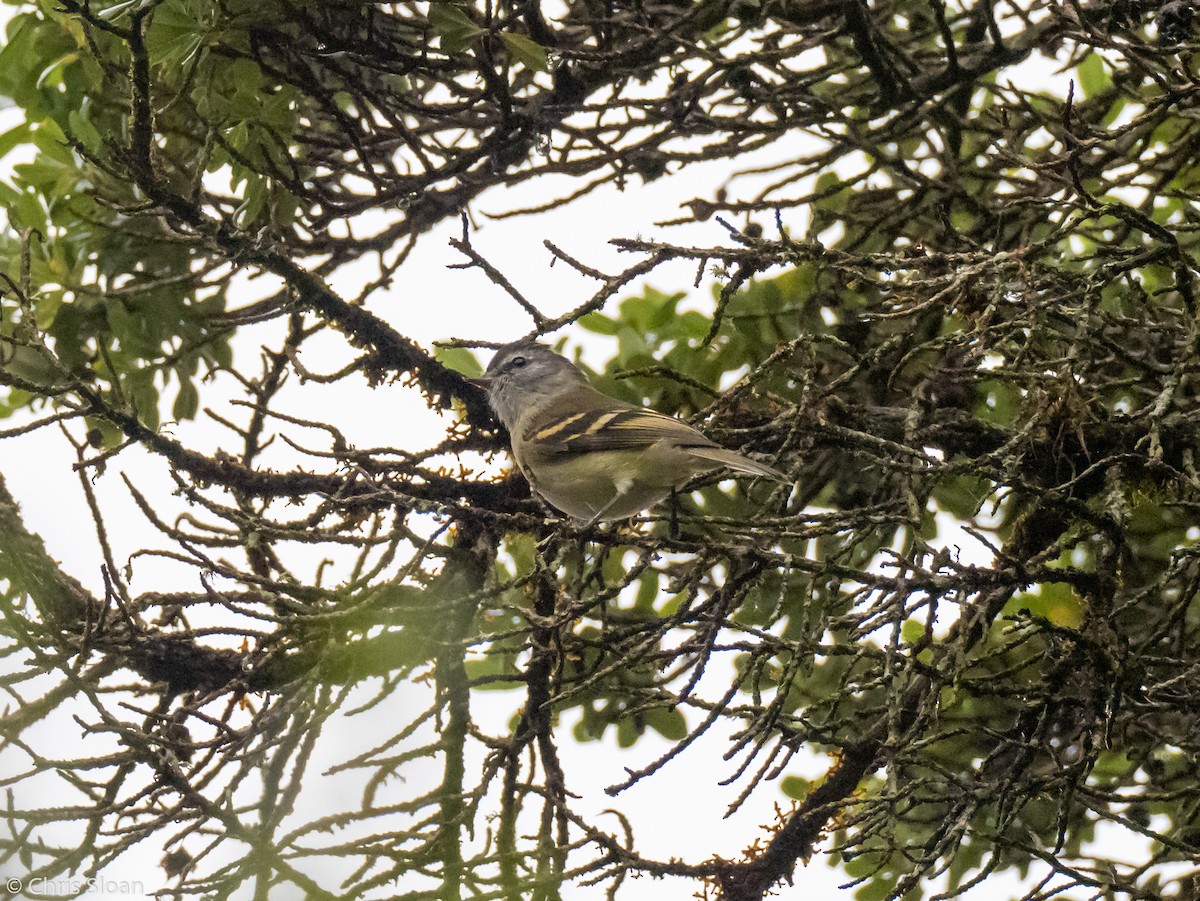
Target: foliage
(982, 319)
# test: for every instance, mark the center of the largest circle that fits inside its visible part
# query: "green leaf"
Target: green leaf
(14, 137)
(32, 365)
(693, 324)
(830, 194)
(667, 722)
(174, 34)
(187, 402)
(600, 324)
(254, 201)
(84, 130)
(1094, 77)
(459, 359)
(912, 630)
(19, 205)
(140, 389)
(628, 732)
(45, 309)
(651, 311)
(51, 75)
(454, 28)
(118, 10)
(528, 52)
(795, 787)
(1118, 104)
(647, 592)
(219, 353)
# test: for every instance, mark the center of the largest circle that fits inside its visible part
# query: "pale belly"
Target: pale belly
(583, 491)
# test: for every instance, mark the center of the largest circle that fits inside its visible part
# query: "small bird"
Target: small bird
(589, 455)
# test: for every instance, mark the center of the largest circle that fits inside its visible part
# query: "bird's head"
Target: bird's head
(524, 376)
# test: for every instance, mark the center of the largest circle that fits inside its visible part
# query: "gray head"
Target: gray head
(523, 376)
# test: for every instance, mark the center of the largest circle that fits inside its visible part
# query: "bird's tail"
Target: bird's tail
(724, 457)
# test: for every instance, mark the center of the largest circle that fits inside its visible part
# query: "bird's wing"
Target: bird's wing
(608, 429)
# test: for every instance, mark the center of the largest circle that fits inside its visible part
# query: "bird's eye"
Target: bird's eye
(518, 362)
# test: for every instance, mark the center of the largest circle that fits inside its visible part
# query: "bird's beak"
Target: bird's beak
(483, 382)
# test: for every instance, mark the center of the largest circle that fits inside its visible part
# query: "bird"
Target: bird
(592, 456)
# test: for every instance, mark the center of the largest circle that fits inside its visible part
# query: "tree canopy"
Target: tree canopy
(955, 303)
